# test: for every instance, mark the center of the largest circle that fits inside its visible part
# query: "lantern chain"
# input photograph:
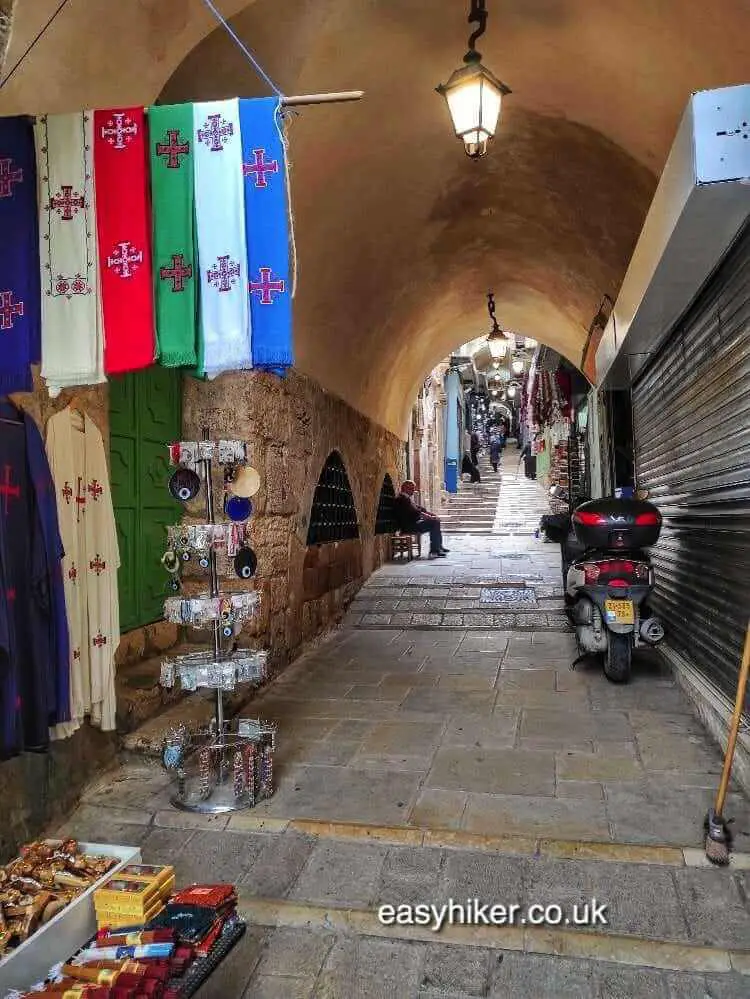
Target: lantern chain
(477, 15)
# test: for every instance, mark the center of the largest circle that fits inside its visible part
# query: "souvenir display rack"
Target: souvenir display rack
(220, 768)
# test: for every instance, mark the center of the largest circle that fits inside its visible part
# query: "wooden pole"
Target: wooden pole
(338, 98)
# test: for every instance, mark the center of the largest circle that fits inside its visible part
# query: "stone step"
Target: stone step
(473, 620)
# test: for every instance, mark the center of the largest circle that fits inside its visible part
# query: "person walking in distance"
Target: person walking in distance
(414, 519)
(474, 448)
(496, 448)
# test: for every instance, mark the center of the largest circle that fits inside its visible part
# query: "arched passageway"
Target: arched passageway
(399, 236)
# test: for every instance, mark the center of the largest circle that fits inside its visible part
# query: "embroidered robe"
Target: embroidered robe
(29, 553)
(87, 525)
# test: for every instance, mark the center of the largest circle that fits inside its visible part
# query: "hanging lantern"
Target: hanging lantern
(497, 341)
(474, 95)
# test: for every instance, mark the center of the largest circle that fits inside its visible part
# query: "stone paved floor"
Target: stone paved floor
(419, 761)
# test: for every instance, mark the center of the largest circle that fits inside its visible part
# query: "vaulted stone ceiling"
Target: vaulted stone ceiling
(399, 235)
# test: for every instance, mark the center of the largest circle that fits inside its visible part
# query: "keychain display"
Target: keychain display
(197, 670)
(231, 610)
(224, 452)
(194, 542)
(215, 769)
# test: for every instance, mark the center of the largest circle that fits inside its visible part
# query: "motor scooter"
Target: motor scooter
(608, 577)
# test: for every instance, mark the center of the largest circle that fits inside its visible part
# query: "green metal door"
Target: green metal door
(145, 412)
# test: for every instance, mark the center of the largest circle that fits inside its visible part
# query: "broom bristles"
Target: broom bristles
(717, 852)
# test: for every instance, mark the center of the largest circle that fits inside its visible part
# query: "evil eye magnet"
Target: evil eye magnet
(186, 556)
(174, 584)
(203, 561)
(170, 561)
(184, 484)
(237, 508)
(227, 631)
(172, 756)
(245, 563)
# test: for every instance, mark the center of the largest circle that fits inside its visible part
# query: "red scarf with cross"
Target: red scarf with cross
(123, 222)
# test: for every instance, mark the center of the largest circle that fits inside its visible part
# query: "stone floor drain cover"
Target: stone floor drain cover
(506, 595)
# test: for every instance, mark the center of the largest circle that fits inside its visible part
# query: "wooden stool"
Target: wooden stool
(405, 547)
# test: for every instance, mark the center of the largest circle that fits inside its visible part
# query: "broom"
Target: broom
(718, 833)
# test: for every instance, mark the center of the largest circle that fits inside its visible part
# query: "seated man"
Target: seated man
(413, 519)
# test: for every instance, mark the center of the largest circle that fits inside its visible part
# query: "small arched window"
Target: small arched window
(334, 515)
(385, 520)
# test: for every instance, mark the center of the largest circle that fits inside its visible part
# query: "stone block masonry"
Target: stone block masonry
(292, 426)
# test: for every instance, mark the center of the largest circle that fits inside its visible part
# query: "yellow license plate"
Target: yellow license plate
(619, 611)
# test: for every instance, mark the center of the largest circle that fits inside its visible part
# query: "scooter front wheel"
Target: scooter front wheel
(617, 659)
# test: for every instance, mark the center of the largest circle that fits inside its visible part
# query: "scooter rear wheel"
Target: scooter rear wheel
(617, 659)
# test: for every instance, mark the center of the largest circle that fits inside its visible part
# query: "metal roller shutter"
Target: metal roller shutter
(691, 415)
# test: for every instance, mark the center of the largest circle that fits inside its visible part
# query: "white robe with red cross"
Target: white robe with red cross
(75, 450)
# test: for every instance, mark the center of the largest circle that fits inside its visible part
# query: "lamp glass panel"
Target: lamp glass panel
(498, 348)
(465, 105)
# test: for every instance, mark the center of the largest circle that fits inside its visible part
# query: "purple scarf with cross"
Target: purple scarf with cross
(20, 292)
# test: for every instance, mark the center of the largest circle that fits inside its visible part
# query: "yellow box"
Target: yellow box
(113, 920)
(129, 895)
(158, 874)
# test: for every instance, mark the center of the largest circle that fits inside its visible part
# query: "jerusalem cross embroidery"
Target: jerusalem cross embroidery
(9, 310)
(7, 490)
(71, 286)
(215, 132)
(98, 565)
(119, 130)
(172, 146)
(67, 203)
(265, 287)
(98, 640)
(177, 272)
(76, 653)
(223, 274)
(94, 489)
(9, 177)
(72, 574)
(125, 259)
(67, 492)
(260, 167)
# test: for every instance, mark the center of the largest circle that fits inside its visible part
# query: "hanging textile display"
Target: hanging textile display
(20, 310)
(87, 525)
(267, 232)
(72, 334)
(175, 271)
(33, 630)
(220, 226)
(123, 223)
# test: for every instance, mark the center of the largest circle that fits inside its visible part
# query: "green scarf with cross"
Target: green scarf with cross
(175, 263)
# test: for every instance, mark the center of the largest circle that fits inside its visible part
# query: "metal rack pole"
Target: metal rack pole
(213, 582)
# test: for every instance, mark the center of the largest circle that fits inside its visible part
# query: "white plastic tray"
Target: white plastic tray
(63, 935)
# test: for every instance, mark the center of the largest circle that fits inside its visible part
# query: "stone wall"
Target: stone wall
(292, 426)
